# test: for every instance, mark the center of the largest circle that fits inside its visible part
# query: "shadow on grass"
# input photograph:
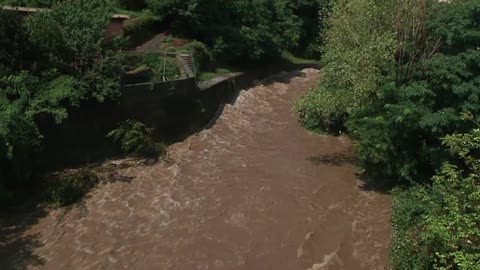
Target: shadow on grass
(17, 244)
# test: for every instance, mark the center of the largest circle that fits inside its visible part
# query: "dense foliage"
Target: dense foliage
(31, 3)
(51, 62)
(360, 42)
(242, 29)
(134, 138)
(438, 226)
(252, 29)
(399, 134)
(312, 14)
(401, 77)
(54, 61)
(234, 30)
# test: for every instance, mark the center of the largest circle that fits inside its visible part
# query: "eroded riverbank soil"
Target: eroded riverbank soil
(253, 191)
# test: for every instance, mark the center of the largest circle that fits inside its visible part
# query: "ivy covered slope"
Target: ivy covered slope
(50, 62)
(403, 79)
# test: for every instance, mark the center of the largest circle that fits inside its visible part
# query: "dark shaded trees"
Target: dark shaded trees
(403, 79)
(50, 62)
(234, 29)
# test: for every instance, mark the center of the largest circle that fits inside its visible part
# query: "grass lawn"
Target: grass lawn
(208, 75)
(288, 57)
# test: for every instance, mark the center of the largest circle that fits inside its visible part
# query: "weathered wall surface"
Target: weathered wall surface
(82, 138)
(174, 110)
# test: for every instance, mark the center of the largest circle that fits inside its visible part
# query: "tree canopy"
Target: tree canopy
(50, 62)
(403, 79)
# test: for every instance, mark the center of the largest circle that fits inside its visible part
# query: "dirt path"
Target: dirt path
(255, 191)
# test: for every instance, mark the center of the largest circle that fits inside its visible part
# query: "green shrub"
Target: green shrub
(136, 139)
(407, 217)
(438, 227)
(358, 49)
(397, 112)
(68, 187)
(203, 56)
(236, 30)
(451, 228)
(401, 97)
(398, 135)
(164, 68)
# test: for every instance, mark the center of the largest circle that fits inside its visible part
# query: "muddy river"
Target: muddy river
(254, 190)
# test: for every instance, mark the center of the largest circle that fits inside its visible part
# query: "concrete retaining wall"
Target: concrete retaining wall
(175, 110)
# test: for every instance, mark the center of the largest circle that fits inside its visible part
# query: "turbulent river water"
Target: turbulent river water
(252, 191)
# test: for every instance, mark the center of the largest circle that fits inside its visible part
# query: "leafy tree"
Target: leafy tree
(438, 227)
(63, 59)
(398, 111)
(452, 224)
(73, 34)
(31, 3)
(18, 132)
(313, 14)
(134, 138)
(421, 75)
(236, 29)
(360, 45)
(16, 51)
(399, 134)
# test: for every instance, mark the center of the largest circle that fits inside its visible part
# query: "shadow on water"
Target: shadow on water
(372, 183)
(368, 182)
(16, 248)
(336, 159)
(17, 244)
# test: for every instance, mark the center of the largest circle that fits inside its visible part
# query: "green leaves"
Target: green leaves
(458, 27)
(357, 50)
(72, 34)
(401, 97)
(234, 29)
(134, 138)
(439, 226)
(52, 61)
(452, 223)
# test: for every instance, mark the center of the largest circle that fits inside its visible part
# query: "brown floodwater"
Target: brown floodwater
(254, 190)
